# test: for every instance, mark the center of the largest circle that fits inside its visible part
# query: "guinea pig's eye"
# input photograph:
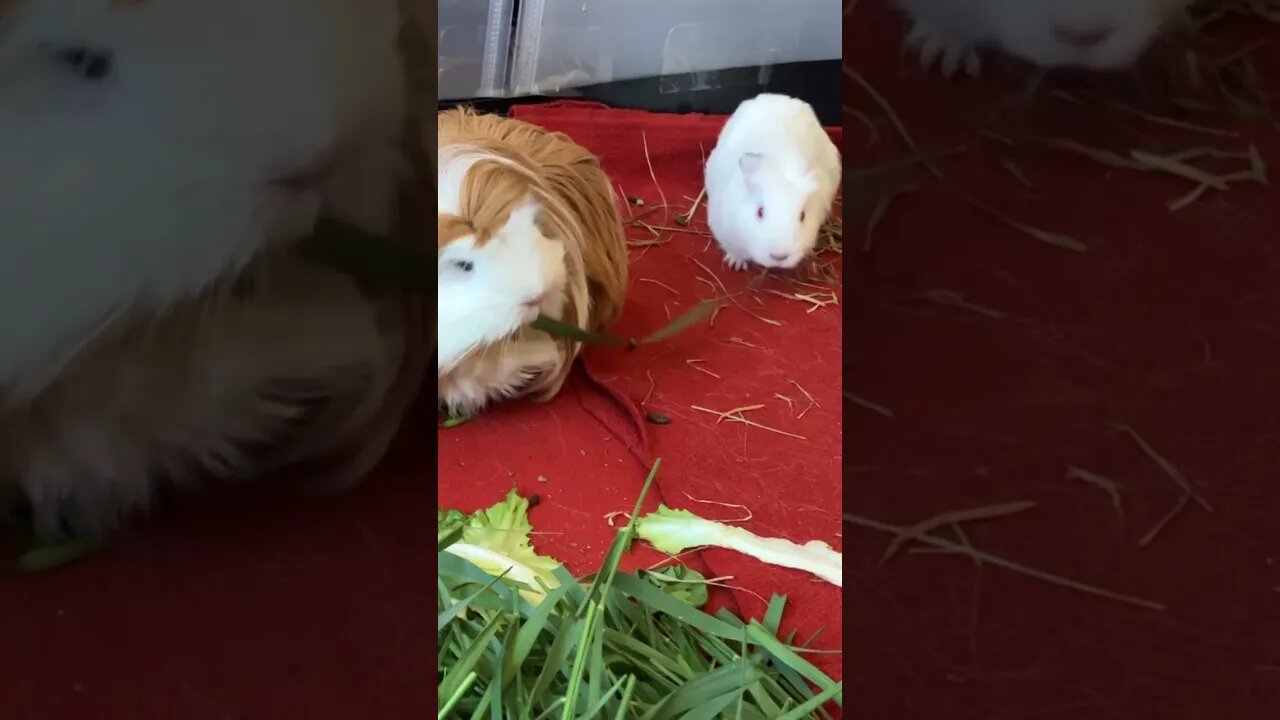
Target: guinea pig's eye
(801, 216)
(463, 265)
(89, 64)
(760, 213)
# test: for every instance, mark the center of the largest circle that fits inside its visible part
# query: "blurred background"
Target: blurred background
(657, 55)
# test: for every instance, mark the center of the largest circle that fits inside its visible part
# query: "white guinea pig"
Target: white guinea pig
(1090, 34)
(770, 182)
(151, 147)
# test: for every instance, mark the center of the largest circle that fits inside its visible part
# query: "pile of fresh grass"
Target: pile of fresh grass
(620, 647)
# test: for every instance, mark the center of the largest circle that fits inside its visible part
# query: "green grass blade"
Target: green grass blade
(470, 657)
(711, 709)
(51, 557)
(763, 699)
(773, 616)
(597, 707)
(447, 538)
(486, 703)
(644, 652)
(579, 661)
(596, 668)
(498, 686)
(453, 422)
(662, 602)
(701, 311)
(558, 328)
(697, 313)
(378, 260)
(792, 660)
(625, 705)
(622, 542)
(457, 696)
(806, 709)
(704, 689)
(551, 710)
(742, 694)
(457, 608)
(557, 654)
(536, 624)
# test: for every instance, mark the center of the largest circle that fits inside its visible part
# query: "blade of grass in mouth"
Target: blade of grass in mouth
(690, 318)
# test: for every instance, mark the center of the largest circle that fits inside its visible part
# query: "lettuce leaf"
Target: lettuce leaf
(673, 531)
(496, 539)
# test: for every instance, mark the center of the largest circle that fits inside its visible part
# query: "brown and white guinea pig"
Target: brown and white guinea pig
(1099, 35)
(152, 146)
(528, 224)
(160, 159)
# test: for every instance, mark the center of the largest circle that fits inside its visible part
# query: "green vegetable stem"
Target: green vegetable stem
(556, 327)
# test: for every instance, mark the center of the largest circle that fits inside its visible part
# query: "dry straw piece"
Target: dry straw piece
(963, 548)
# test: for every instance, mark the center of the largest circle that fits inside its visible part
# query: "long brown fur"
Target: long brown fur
(579, 209)
(493, 190)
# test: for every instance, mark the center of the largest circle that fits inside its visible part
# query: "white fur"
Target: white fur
(498, 372)
(951, 32)
(482, 306)
(799, 172)
(125, 198)
(127, 194)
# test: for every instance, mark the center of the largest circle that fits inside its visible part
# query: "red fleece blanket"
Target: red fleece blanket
(587, 452)
(1006, 361)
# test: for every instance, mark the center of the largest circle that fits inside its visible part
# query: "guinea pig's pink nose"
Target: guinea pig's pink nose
(1082, 39)
(533, 302)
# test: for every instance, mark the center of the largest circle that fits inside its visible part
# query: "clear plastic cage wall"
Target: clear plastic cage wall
(499, 48)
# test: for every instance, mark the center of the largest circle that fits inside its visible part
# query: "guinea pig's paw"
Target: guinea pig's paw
(937, 45)
(734, 262)
(464, 399)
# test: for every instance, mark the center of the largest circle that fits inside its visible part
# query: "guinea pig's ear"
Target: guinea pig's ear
(808, 182)
(525, 215)
(751, 163)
